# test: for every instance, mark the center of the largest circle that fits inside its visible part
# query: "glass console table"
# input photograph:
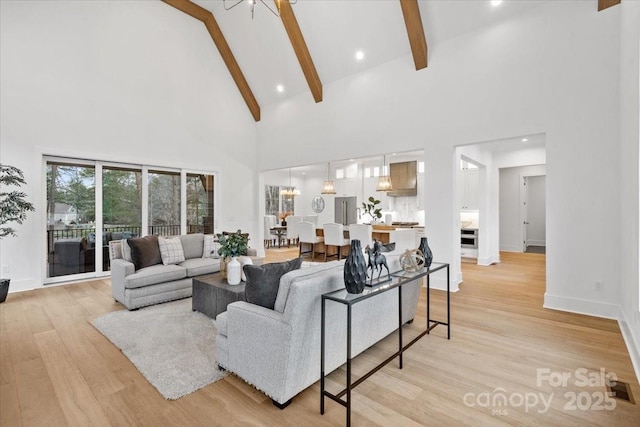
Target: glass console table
(399, 278)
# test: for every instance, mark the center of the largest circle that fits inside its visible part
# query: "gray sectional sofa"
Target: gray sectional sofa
(159, 283)
(278, 351)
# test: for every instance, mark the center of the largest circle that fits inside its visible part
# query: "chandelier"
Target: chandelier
(290, 191)
(252, 5)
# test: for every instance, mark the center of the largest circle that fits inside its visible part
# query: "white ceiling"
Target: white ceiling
(334, 30)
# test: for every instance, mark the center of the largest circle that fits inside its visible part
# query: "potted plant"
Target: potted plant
(232, 245)
(13, 208)
(371, 210)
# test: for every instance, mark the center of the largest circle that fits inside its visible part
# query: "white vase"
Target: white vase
(233, 271)
(244, 260)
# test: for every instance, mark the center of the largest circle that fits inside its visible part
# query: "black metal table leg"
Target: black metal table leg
(448, 307)
(400, 326)
(348, 365)
(428, 303)
(322, 358)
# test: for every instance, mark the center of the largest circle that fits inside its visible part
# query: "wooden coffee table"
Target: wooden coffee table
(212, 294)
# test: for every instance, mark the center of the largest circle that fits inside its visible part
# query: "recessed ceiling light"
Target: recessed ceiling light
(359, 55)
(524, 139)
(280, 88)
(495, 3)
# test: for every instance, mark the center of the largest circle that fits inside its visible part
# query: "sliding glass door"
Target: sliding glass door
(70, 218)
(90, 203)
(200, 203)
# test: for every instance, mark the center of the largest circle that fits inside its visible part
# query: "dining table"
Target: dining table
(280, 231)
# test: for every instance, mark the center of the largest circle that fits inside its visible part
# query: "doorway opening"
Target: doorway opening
(533, 211)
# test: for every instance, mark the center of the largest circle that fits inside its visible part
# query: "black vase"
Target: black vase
(4, 288)
(355, 269)
(426, 251)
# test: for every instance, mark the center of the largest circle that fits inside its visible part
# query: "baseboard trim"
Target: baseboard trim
(509, 248)
(440, 283)
(580, 306)
(604, 310)
(486, 261)
(633, 346)
(536, 243)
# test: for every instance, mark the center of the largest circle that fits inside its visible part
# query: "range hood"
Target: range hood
(404, 179)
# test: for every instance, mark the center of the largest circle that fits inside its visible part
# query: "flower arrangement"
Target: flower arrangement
(283, 215)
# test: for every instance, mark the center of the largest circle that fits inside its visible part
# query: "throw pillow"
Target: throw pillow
(263, 281)
(126, 250)
(144, 251)
(170, 250)
(211, 247)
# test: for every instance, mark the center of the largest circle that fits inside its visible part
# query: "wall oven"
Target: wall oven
(469, 238)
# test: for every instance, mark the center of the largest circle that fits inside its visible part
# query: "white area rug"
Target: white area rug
(172, 346)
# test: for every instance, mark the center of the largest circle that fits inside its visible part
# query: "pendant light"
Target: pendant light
(327, 186)
(384, 180)
(290, 191)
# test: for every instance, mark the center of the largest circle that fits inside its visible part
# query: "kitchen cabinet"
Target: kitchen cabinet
(468, 188)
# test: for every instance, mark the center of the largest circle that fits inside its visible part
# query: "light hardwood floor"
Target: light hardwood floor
(56, 369)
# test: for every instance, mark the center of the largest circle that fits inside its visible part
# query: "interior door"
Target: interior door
(535, 211)
(525, 216)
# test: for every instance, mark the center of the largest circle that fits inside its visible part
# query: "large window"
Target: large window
(276, 203)
(132, 201)
(200, 203)
(272, 200)
(164, 203)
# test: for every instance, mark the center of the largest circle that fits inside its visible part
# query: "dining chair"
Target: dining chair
(307, 235)
(269, 236)
(292, 229)
(362, 232)
(311, 218)
(334, 236)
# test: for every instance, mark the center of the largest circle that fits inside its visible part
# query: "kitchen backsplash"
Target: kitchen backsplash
(469, 219)
(404, 209)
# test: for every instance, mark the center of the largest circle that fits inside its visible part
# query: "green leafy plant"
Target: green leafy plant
(13, 206)
(371, 210)
(233, 244)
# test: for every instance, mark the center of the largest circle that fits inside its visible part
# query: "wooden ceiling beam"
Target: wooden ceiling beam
(604, 4)
(415, 31)
(210, 23)
(300, 47)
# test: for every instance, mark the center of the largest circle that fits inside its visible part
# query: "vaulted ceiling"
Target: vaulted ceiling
(314, 42)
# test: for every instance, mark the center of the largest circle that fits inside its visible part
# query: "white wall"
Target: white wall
(533, 74)
(510, 199)
(137, 82)
(629, 188)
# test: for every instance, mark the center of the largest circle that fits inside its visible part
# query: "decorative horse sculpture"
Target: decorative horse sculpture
(376, 260)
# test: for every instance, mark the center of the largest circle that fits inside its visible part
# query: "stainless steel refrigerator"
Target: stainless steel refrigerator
(346, 210)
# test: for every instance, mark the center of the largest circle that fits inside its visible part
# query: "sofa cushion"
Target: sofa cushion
(263, 281)
(307, 271)
(144, 251)
(192, 245)
(200, 266)
(171, 250)
(153, 275)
